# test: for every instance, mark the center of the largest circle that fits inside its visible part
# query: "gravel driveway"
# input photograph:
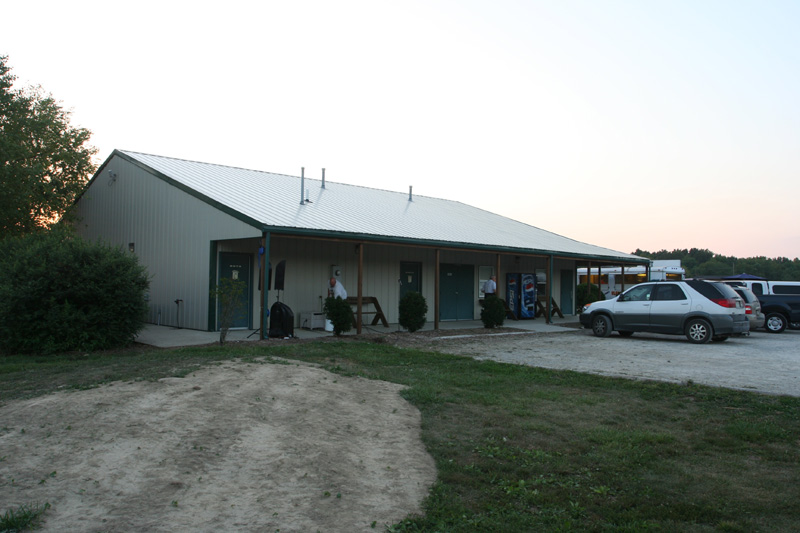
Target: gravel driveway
(763, 362)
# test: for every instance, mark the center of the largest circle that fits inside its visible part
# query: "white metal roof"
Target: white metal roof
(273, 200)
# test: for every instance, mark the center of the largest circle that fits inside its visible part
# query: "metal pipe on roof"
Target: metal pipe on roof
(323, 178)
(302, 184)
(409, 193)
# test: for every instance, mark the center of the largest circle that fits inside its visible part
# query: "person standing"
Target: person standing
(337, 290)
(490, 287)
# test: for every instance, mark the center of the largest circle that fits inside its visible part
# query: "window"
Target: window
(640, 293)
(669, 291)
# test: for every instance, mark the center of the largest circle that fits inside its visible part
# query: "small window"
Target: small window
(669, 291)
(786, 289)
(758, 289)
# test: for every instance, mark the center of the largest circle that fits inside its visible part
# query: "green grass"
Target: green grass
(23, 518)
(528, 449)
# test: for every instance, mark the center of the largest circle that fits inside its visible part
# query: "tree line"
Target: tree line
(702, 262)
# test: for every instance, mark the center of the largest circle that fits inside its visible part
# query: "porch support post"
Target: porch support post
(265, 240)
(549, 290)
(436, 290)
(360, 287)
(497, 273)
(622, 282)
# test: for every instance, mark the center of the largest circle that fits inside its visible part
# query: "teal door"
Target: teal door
(456, 292)
(410, 278)
(567, 284)
(238, 267)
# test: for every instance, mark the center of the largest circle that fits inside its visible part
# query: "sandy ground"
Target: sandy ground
(238, 447)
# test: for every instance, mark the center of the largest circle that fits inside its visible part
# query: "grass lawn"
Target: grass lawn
(528, 449)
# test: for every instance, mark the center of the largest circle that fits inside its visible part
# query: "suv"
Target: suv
(701, 310)
(752, 307)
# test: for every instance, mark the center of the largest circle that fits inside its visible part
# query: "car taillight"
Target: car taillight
(748, 310)
(725, 302)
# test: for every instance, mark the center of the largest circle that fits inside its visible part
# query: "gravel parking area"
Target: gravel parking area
(763, 362)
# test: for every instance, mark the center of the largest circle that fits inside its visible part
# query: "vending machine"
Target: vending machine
(521, 295)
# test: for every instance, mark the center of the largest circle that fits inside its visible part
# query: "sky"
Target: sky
(627, 124)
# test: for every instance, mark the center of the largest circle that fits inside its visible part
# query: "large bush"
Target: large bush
(587, 293)
(493, 313)
(340, 314)
(60, 293)
(413, 311)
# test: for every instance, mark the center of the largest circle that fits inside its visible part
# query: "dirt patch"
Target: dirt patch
(249, 447)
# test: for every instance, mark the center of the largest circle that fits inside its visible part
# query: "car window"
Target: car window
(668, 291)
(786, 289)
(712, 291)
(757, 288)
(640, 293)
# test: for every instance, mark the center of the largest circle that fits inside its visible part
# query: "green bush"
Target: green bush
(493, 313)
(60, 293)
(586, 293)
(413, 311)
(340, 314)
(228, 293)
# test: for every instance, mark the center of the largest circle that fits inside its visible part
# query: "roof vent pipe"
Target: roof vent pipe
(409, 193)
(323, 178)
(302, 184)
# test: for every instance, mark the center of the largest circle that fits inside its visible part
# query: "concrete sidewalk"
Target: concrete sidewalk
(170, 337)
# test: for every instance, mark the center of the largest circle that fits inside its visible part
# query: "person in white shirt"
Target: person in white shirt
(336, 289)
(490, 287)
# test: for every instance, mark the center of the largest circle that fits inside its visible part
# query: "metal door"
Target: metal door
(238, 267)
(456, 292)
(567, 284)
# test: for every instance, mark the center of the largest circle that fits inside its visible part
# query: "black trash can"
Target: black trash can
(281, 321)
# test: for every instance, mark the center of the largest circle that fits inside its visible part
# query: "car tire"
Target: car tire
(698, 331)
(719, 338)
(601, 326)
(775, 323)
(625, 333)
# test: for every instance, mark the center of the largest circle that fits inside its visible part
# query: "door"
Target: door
(456, 292)
(669, 305)
(410, 278)
(632, 309)
(237, 267)
(567, 284)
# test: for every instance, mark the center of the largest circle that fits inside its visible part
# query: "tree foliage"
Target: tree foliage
(493, 313)
(44, 161)
(701, 262)
(59, 293)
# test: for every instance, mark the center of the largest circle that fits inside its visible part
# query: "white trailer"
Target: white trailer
(612, 282)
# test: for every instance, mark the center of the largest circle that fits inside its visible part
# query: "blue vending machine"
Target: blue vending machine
(521, 295)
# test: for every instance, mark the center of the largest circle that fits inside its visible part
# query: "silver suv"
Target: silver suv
(701, 310)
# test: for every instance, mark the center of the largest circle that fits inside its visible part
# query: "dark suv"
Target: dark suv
(701, 310)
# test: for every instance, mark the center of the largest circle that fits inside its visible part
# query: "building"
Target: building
(193, 223)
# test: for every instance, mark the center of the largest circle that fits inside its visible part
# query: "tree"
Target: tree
(44, 161)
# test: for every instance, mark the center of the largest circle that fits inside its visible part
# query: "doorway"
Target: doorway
(567, 285)
(456, 292)
(410, 278)
(238, 267)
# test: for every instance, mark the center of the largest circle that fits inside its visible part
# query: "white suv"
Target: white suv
(701, 310)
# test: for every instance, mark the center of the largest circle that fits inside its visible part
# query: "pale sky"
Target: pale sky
(625, 124)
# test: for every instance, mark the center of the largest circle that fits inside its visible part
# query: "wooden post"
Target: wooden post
(497, 275)
(622, 283)
(265, 241)
(360, 286)
(436, 291)
(549, 291)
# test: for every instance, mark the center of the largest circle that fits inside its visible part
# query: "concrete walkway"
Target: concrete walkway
(170, 337)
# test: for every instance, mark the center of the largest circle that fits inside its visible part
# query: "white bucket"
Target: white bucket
(328, 325)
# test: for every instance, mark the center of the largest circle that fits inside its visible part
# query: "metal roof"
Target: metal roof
(273, 201)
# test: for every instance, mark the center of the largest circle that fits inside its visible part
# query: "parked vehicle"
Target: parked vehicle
(760, 287)
(701, 310)
(780, 311)
(752, 307)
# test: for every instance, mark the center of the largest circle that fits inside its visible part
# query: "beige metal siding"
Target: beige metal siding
(171, 231)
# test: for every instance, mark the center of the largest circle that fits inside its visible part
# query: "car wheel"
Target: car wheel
(698, 331)
(719, 338)
(625, 333)
(775, 323)
(601, 326)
